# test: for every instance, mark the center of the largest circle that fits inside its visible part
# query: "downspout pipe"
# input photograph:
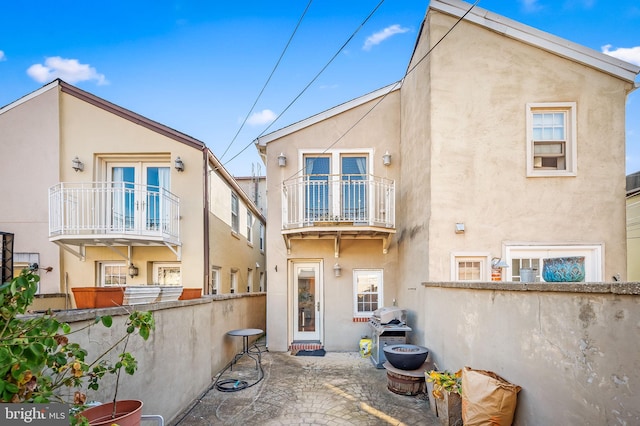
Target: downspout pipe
(205, 216)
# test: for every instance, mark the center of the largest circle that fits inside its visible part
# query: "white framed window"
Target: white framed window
(261, 236)
(261, 282)
(235, 211)
(551, 139)
(215, 280)
(531, 256)
(113, 274)
(168, 273)
(367, 291)
(470, 267)
(233, 279)
(249, 280)
(249, 227)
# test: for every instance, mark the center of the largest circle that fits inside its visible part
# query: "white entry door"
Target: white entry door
(307, 301)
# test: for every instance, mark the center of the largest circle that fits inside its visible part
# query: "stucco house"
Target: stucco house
(97, 195)
(485, 159)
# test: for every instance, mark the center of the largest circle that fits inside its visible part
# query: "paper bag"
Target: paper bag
(487, 399)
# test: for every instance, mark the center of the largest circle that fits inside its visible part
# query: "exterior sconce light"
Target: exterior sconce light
(282, 160)
(179, 164)
(337, 270)
(77, 165)
(459, 228)
(133, 271)
(386, 158)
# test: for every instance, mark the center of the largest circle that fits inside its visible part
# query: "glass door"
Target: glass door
(354, 188)
(316, 189)
(137, 193)
(307, 301)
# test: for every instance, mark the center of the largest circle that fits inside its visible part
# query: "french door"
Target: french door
(137, 196)
(307, 301)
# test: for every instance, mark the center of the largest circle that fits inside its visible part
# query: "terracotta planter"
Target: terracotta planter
(128, 413)
(97, 297)
(190, 293)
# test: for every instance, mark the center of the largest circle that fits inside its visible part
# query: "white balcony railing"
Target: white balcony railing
(340, 199)
(113, 209)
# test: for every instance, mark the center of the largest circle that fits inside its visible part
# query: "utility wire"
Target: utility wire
(312, 80)
(268, 79)
(392, 88)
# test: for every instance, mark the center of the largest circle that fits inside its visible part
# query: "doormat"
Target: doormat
(317, 352)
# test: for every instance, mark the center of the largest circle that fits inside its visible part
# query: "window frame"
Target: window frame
(482, 258)
(156, 267)
(569, 109)
(593, 253)
(122, 265)
(379, 293)
(215, 279)
(233, 281)
(250, 227)
(235, 213)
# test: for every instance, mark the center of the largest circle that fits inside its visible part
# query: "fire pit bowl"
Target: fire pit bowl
(406, 357)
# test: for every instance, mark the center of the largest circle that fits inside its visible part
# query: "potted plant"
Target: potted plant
(445, 392)
(39, 363)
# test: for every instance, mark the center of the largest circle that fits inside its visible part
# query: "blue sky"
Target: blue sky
(199, 66)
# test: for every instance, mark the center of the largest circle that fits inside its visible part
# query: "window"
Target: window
(261, 236)
(533, 256)
(551, 133)
(367, 289)
(215, 280)
(24, 261)
(235, 218)
(261, 282)
(354, 188)
(113, 274)
(166, 273)
(249, 227)
(234, 281)
(470, 267)
(249, 280)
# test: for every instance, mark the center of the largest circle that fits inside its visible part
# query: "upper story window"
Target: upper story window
(551, 136)
(261, 237)
(235, 211)
(367, 289)
(249, 227)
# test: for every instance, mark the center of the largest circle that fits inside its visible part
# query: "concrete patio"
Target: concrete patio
(340, 388)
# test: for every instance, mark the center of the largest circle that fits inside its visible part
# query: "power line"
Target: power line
(268, 79)
(313, 79)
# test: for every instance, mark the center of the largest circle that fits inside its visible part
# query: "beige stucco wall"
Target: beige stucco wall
(29, 157)
(572, 348)
(91, 133)
(178, 355)
(464, 153)
(376, 133)
(633, 238)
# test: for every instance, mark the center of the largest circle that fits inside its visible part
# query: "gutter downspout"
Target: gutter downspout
(205, 209)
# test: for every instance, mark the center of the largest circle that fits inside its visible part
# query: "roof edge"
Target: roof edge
(530, 35)
(262, 141)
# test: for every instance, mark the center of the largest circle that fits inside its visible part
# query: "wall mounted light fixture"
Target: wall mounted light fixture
(459, 228)
(337, 270)
(77, 165)
(133, 271)
(498, 263)
(282, 160)
(386, 158)
(179, 165)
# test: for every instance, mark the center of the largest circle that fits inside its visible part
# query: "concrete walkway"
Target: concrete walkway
(340, 388)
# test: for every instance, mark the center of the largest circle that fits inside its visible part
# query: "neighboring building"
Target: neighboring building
(495, 138)
(256, 189)
(97, 195)
(633, 227)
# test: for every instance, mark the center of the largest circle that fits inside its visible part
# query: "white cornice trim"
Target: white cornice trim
(264, 140)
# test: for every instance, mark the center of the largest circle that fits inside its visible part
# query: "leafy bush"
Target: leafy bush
(38, 362)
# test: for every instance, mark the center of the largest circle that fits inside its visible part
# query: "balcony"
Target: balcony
(113, 213)
(338, 206)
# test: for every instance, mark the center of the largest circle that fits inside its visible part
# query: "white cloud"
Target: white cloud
(263, 117)
(3, 57)
(69, 70)
(531, 6)
(381, 36)
(627, 54)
